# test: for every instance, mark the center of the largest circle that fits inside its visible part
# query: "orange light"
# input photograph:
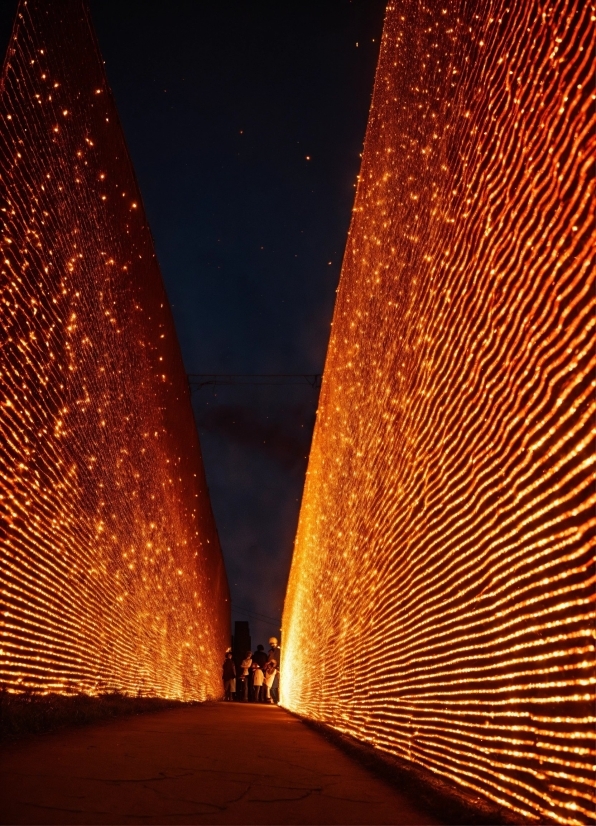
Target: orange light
(441, 598)
(111, 572)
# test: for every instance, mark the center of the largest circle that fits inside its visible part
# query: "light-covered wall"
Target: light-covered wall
(111, 572)
(440, 602)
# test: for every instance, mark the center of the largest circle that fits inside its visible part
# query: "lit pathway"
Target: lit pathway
(217, 763)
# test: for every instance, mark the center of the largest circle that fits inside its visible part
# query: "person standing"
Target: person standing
(229, 676)
(274, 652)
(259, 656)
(257, 680)
(245, 665)
(270, 673)
(275, 655)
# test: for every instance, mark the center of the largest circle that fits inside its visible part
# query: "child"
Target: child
(229, 676)
(270, 672)
(257, 681)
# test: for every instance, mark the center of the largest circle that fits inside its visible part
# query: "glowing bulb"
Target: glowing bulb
(442, 577)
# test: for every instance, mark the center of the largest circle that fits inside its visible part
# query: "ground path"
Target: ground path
(209, 764)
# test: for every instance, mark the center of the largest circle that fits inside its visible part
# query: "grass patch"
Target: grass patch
(31, 713)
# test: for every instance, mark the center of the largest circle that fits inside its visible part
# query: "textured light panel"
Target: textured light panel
(441, 596)
(111, 571)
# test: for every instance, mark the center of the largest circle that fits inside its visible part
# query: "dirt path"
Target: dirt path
(217, 763)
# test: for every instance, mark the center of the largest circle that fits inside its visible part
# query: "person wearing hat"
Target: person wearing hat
(274, 652)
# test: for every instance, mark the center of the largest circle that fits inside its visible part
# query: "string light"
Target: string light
(441, 598)
(111, 574)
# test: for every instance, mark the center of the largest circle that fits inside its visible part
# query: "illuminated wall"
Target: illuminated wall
(440, 602)
(111, 571)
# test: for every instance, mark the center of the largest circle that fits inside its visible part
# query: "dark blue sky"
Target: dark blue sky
(223, 103)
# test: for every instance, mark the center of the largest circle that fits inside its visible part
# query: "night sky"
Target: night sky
(245, 121)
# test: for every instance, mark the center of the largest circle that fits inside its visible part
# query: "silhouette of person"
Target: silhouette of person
(257, 681)
(229, 676)
(259, 657)
(245, 666)
(274, 655)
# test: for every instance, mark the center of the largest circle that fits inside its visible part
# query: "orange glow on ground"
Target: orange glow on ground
(112, 576)
(440, 602)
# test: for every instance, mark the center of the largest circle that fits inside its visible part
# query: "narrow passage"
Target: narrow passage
(214, 763)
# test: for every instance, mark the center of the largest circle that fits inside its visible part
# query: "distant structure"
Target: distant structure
(241, 642)
(443, 572)
(111, 572)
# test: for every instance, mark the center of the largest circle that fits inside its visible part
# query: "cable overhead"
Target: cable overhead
(200, 380)
(259, 617)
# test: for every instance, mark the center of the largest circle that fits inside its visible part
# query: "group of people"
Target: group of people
(257, 679)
